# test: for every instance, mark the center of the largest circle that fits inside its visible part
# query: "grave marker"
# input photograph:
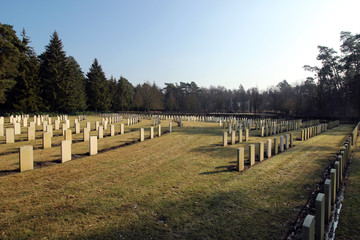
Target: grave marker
(268, 148)
(93, 145)
(65, 151)
(252, 154)
(46, 141)
(9, 135)
(31, 134)
(320, 216)
(225, 139)
(26, 158)
(240, 159)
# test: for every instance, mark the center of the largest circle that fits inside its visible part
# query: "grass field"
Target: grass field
(177, 186)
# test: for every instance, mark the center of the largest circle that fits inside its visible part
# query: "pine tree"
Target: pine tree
(126, 91)
(114, 95)
(76, 95)
(54, 75)
(10, 48)
(25, 96)
(97, 88)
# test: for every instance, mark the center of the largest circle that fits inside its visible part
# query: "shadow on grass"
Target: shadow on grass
(220, 215)
(8, 172)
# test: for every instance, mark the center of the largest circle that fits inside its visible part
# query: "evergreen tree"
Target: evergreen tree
(126, 91)
(113, 91)
(54, 75)
(76, 95)
(97, 88)
(25, 96)
(10, 51)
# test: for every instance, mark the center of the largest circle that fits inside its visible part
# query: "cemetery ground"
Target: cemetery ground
(181, 185)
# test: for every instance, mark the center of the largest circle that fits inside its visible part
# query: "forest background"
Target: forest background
(54, 82)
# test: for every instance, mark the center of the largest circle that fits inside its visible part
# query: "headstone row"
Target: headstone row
(314, 225)
(257, 151)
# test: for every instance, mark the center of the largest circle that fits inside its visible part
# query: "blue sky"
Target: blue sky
(226, 43)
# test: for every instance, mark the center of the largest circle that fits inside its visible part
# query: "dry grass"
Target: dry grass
(175, 186)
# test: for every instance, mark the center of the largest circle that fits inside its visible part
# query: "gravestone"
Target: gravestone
(68, 135)
(64, 128)
(46, 140)
(31, 133)
(225, 139)
(268, 148)
(26, 158)
(112, 130)
(291, 139)
(240, 136)
(159, 130)
(17, 128)
(77, 128)
(276, 146)
(97, 124)
(100, 132)
(308, 227)
(49, 130)
(281, 143)
(25, 122)
(341, 166)
(93, 145)
(319, 216)
(86, 134)
(240, 159)
(261, 151)
(333, 185)
(287, 141)
(247, 135)
(65, 151)
(9, 135)
(88, 126)
(151, 132)
(337, 168)
(327, 190)
(142, 137)
(1, 130)
(233, 137)
(170, 127)
(122, 128)
(57, 124)
(252, 154)
(44, 124)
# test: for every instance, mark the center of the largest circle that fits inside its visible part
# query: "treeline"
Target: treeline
(54, 82)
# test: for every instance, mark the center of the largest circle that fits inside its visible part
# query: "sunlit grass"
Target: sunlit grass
(175, 186)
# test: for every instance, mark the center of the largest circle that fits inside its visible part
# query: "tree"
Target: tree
(97, 88)
(75, 93)
(10, 51)
(25, 96)
(54, 75)
(126, 91)
(138, 99)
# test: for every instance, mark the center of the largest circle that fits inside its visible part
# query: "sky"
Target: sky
(213, 43)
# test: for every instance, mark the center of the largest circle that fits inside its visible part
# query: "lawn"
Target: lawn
(177, 186)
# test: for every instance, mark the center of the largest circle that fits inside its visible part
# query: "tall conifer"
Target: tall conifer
(53, 75)
(97, 88)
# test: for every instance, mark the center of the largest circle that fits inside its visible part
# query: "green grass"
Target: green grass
(177, 186)
(348, 227)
